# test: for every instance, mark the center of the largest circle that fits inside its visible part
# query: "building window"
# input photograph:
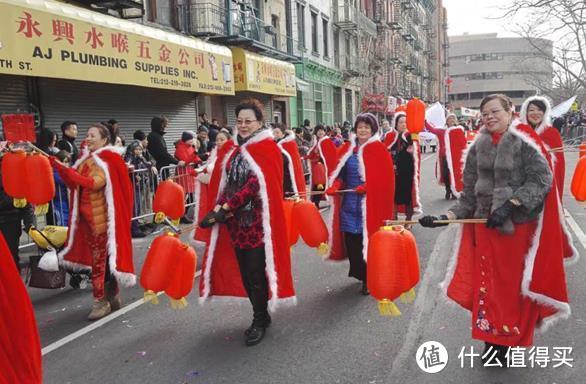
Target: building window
(325, 37)
(275, 24)
(337, 48)
(314, 35)
(301, 26)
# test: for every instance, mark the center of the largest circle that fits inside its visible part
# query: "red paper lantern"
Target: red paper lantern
(292, 230)
(182, 281)
(160, 262)
(311, 226)
(387, 274)
(40, 182)
(401, 108)
(582, 149)
(168, 201)
(412, 264)
(14, 177)
(415, 116)
(579, 180)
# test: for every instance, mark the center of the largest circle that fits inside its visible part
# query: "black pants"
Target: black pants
(11, 231)
(252, 269)
(446, 173)
(353, 244)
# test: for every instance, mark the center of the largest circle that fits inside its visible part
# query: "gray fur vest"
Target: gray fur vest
(494, 174)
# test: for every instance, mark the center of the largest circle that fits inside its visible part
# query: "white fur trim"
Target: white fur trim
(291, 169)
(197, 201)
(453, 262)
(563, 309)
(207, 267)
(418, 208)
(362, 170)
(287, 138)
(449, 159)
(573, 259)
(267, 228)
(546, 115)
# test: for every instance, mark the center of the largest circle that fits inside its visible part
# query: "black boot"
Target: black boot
(364, 291)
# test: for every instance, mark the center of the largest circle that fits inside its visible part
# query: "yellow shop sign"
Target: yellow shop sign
(262, 74)
(50, 39)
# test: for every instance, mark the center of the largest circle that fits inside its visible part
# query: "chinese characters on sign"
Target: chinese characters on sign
(519, 357)
(50, 44)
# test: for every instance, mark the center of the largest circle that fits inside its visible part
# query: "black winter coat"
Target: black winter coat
(157, 147)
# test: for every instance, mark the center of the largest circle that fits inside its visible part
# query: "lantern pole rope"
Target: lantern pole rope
(454, 221)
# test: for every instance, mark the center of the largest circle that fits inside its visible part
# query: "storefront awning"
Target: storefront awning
(263, 74)
(51, 39)
(303, 85)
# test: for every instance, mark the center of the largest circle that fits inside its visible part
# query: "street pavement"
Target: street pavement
(333, 334)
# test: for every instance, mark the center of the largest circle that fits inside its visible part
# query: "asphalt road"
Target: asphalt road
(333, 335)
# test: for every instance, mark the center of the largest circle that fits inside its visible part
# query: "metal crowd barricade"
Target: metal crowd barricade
(144, 183)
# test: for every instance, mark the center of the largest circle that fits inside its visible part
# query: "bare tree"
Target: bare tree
(564, 22)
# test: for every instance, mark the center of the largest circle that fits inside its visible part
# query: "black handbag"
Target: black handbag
(39, 278)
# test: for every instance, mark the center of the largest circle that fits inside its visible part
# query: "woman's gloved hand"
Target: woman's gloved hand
(430, 221)
(361, 189)
(500, 215)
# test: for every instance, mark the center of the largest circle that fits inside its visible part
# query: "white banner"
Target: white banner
(469, 112)
(562, 108)
(436, 115)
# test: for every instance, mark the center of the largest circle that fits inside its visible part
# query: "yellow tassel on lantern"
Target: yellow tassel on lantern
(19, 203)
(151, 296)
(408, 297)
(178, 304)
(323, 249)
(41, 209)
(159, 217)
(387, 308)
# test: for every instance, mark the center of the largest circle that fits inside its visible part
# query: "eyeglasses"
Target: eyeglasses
(244, 122)
(485, 115)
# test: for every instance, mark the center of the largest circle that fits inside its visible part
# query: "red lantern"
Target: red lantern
(40, 182)
(160, 262)
(292, 230)
(582, 149)
(168, 201)
(401, 108)
(311, 226)
(412, 265)
(415, 116)
(579, 180)
(14, 177)
(386, 269)
(182, 281)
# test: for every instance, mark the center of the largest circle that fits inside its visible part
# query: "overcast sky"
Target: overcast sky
(473, 16)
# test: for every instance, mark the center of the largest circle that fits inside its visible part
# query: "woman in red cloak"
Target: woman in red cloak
(99, 230)
(250, 255)
(366, 168)
(535, 113)
(509, 273)
(322, 157)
